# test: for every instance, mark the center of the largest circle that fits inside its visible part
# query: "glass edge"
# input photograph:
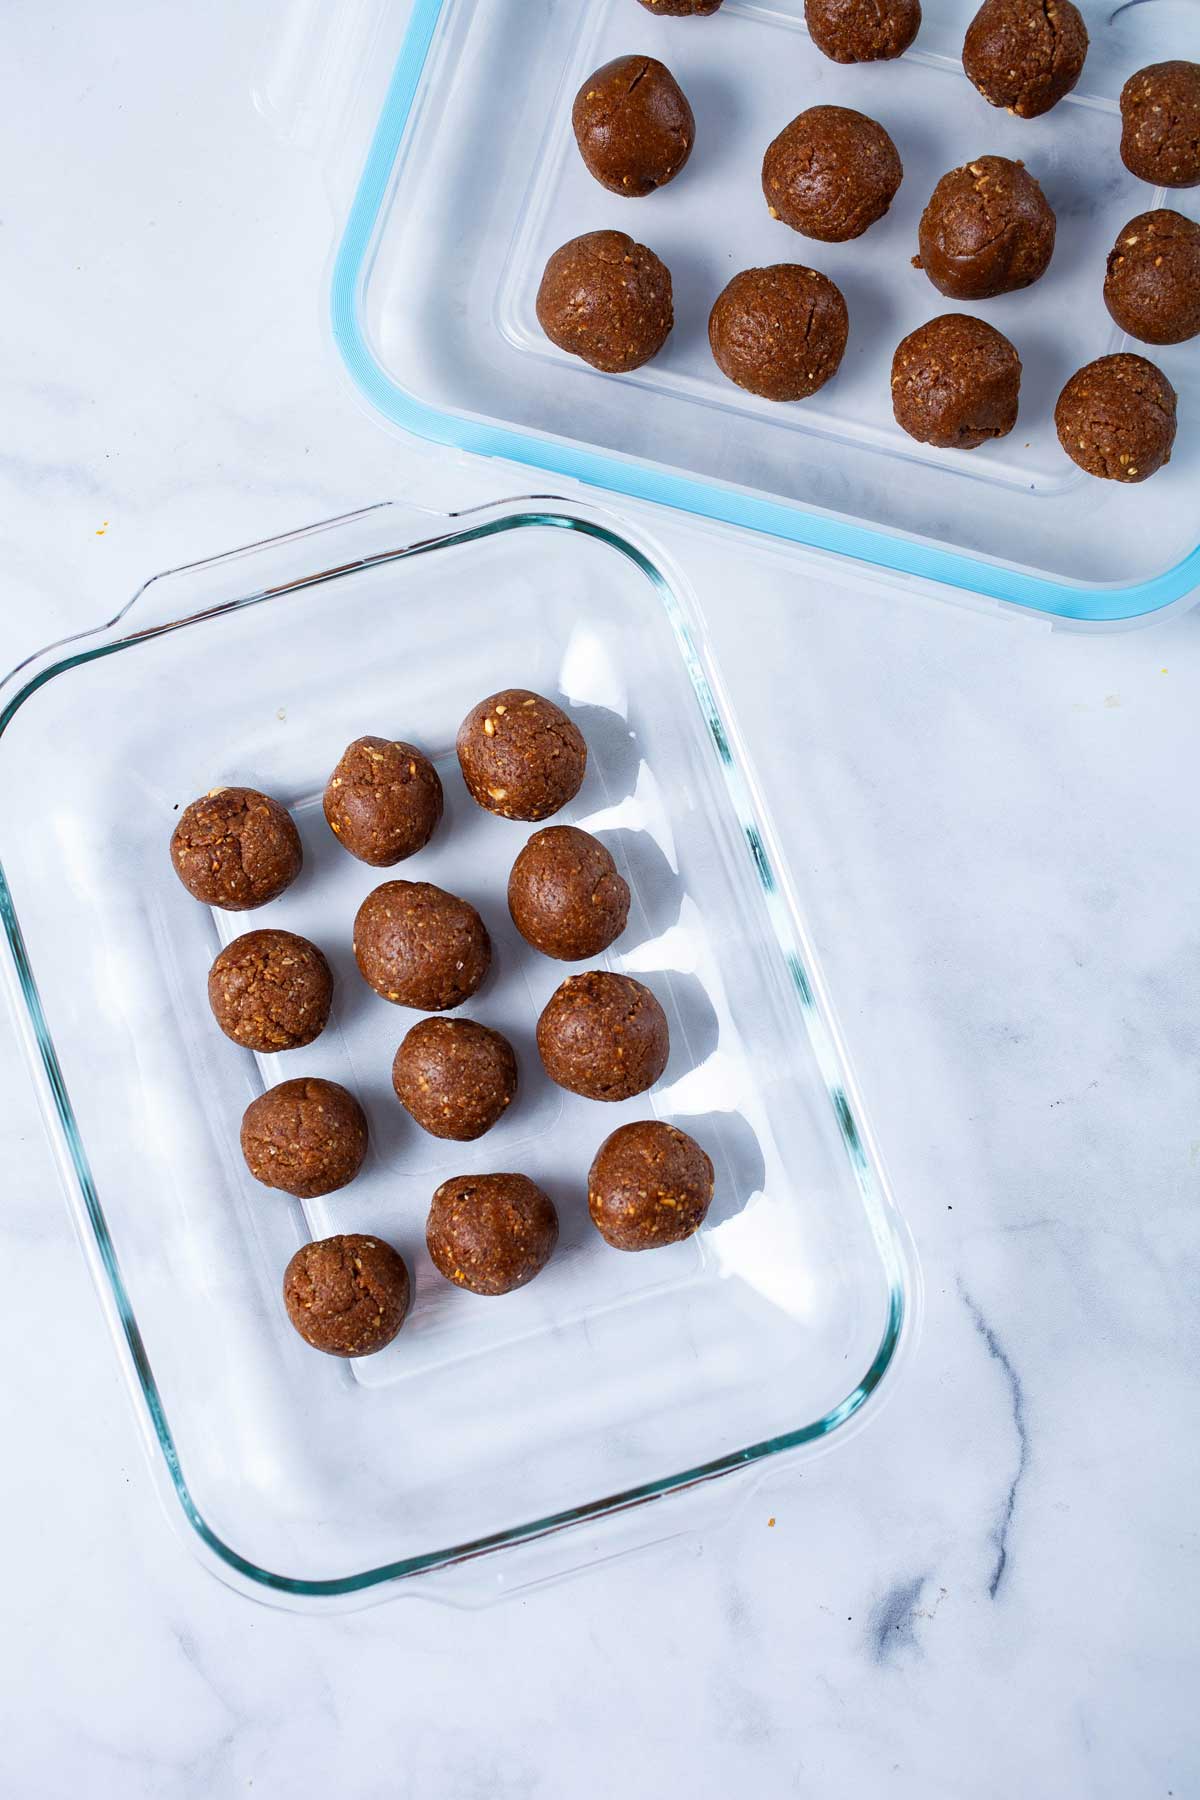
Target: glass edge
(881, 1216)
(727, 505)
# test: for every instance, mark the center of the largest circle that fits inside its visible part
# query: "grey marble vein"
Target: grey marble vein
(996, 1350)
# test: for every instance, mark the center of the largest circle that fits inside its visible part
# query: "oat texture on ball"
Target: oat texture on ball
(831, 173)
(855, 31)
(383, 801)
(988, 229)
(1160, 124)
(305, 1137)
(270, 991)
(604, 1036)
(633, 124)
(1116, 418)
(1152, 281)
(566, 895)
(455, 1077)
(520, 755)
(649, 1185)
(491, 1234)
(347, 1295)
(419, 946)
(779, 332)
(236, 849)
(1025, 55)
(606, 299)
(956, 382)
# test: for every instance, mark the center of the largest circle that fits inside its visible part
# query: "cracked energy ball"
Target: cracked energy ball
(520, 755)
(347, 1296)
(633, 125)
(566, 895)
(1152, 283)
(987, 230)
(779, 332)
(419, 946)
(491, 1233)
(831, 173)
(606, 299)
(236, 849)
(855, 31)
(1116, 418)
(956, 382)
(649, 1185)
(603, 1036)
(1160, 124)
(270, 991)
(383, 801)
(1025, 55)
(455, 1077)
(306, 1138)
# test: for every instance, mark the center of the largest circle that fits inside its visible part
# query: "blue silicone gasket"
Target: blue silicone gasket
(1058, 600)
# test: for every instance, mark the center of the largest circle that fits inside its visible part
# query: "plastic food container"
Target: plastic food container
(496, 1441)
(472, 177)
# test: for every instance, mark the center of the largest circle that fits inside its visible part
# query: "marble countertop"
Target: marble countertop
(991, 1589)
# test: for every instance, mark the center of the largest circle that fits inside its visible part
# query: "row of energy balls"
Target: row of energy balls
(780, 332)
(601, 1035)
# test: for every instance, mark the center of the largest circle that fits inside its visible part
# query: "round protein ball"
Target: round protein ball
(1116, 418)
(682, 9)
(520, 755)
(987, 230)
(1152, 287)
(649, 1185)
(566, 895)
(855, 31)
(633, 125)
(271, 990)
(779, 332)
(603, 1036)
(1160, 124)
(383, 801)
(1025, 55)
(305, 1137)
(348, 1295)
(236, 849)
(455, 1077)
(607, 300)
(419, 946)
(956, 382)
(491, 1233)
(831, 173)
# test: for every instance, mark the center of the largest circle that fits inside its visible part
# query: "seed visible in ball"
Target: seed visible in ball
(305, 1137)
(419, 946)
(491, 1233)
(455, 1077)
(649, 1185)
(347, 1295)
(270, 991)
(520, 755)
(236, 849)
(604, 1036)
(383, 801)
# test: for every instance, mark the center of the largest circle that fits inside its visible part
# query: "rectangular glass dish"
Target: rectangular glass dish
(473, 178)
(612, 1380)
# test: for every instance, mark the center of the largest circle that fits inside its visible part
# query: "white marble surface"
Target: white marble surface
(991, 1590)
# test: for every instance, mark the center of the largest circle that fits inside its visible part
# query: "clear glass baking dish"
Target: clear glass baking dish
(472, 177)
(611, 1381)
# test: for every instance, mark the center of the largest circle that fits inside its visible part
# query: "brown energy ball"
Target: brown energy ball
(491, 1233)
(305, 1137)
(1160, 124)
(565, 894)
(831, 173)
(270, 990)
(779, 332)
(682, 9)
(650, 1184)
(633, 125)
(520, 755)
(417, 945)
(1152, 287)
(347, 1296)
(988, 229)
(603, 1036)
(383, 801)
(236, 848)
(854, 31)
(1025, 55)
(455, 1077)
(1116, 418)
(608, 300)
(955, 382)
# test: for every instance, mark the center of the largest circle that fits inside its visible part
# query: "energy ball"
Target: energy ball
(603, 1036)
(854, 31)
(455, 1077)
(682, 9)
(831, 173)
(1160, 124)
(236, 848)
(565, 894)
(1116, 418)
(1152, 287)
(347, 1296)
(491, 1233)
(520, 755)
(417, 945)
(1025, 55)
(633, 125)
(304, 1137)
(270, 990)
(606, 299)
(955, 383)
(779, 332)
(650, 1185)
(987, 230)
(383, 801)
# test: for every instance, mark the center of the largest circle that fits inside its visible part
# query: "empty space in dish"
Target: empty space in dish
(490, 182)
(609, 1372)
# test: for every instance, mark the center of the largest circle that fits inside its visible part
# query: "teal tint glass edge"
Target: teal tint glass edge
(710, 501)
(879, 1216)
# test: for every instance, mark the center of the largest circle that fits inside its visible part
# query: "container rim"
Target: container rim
(718, 501)
(125, 632)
